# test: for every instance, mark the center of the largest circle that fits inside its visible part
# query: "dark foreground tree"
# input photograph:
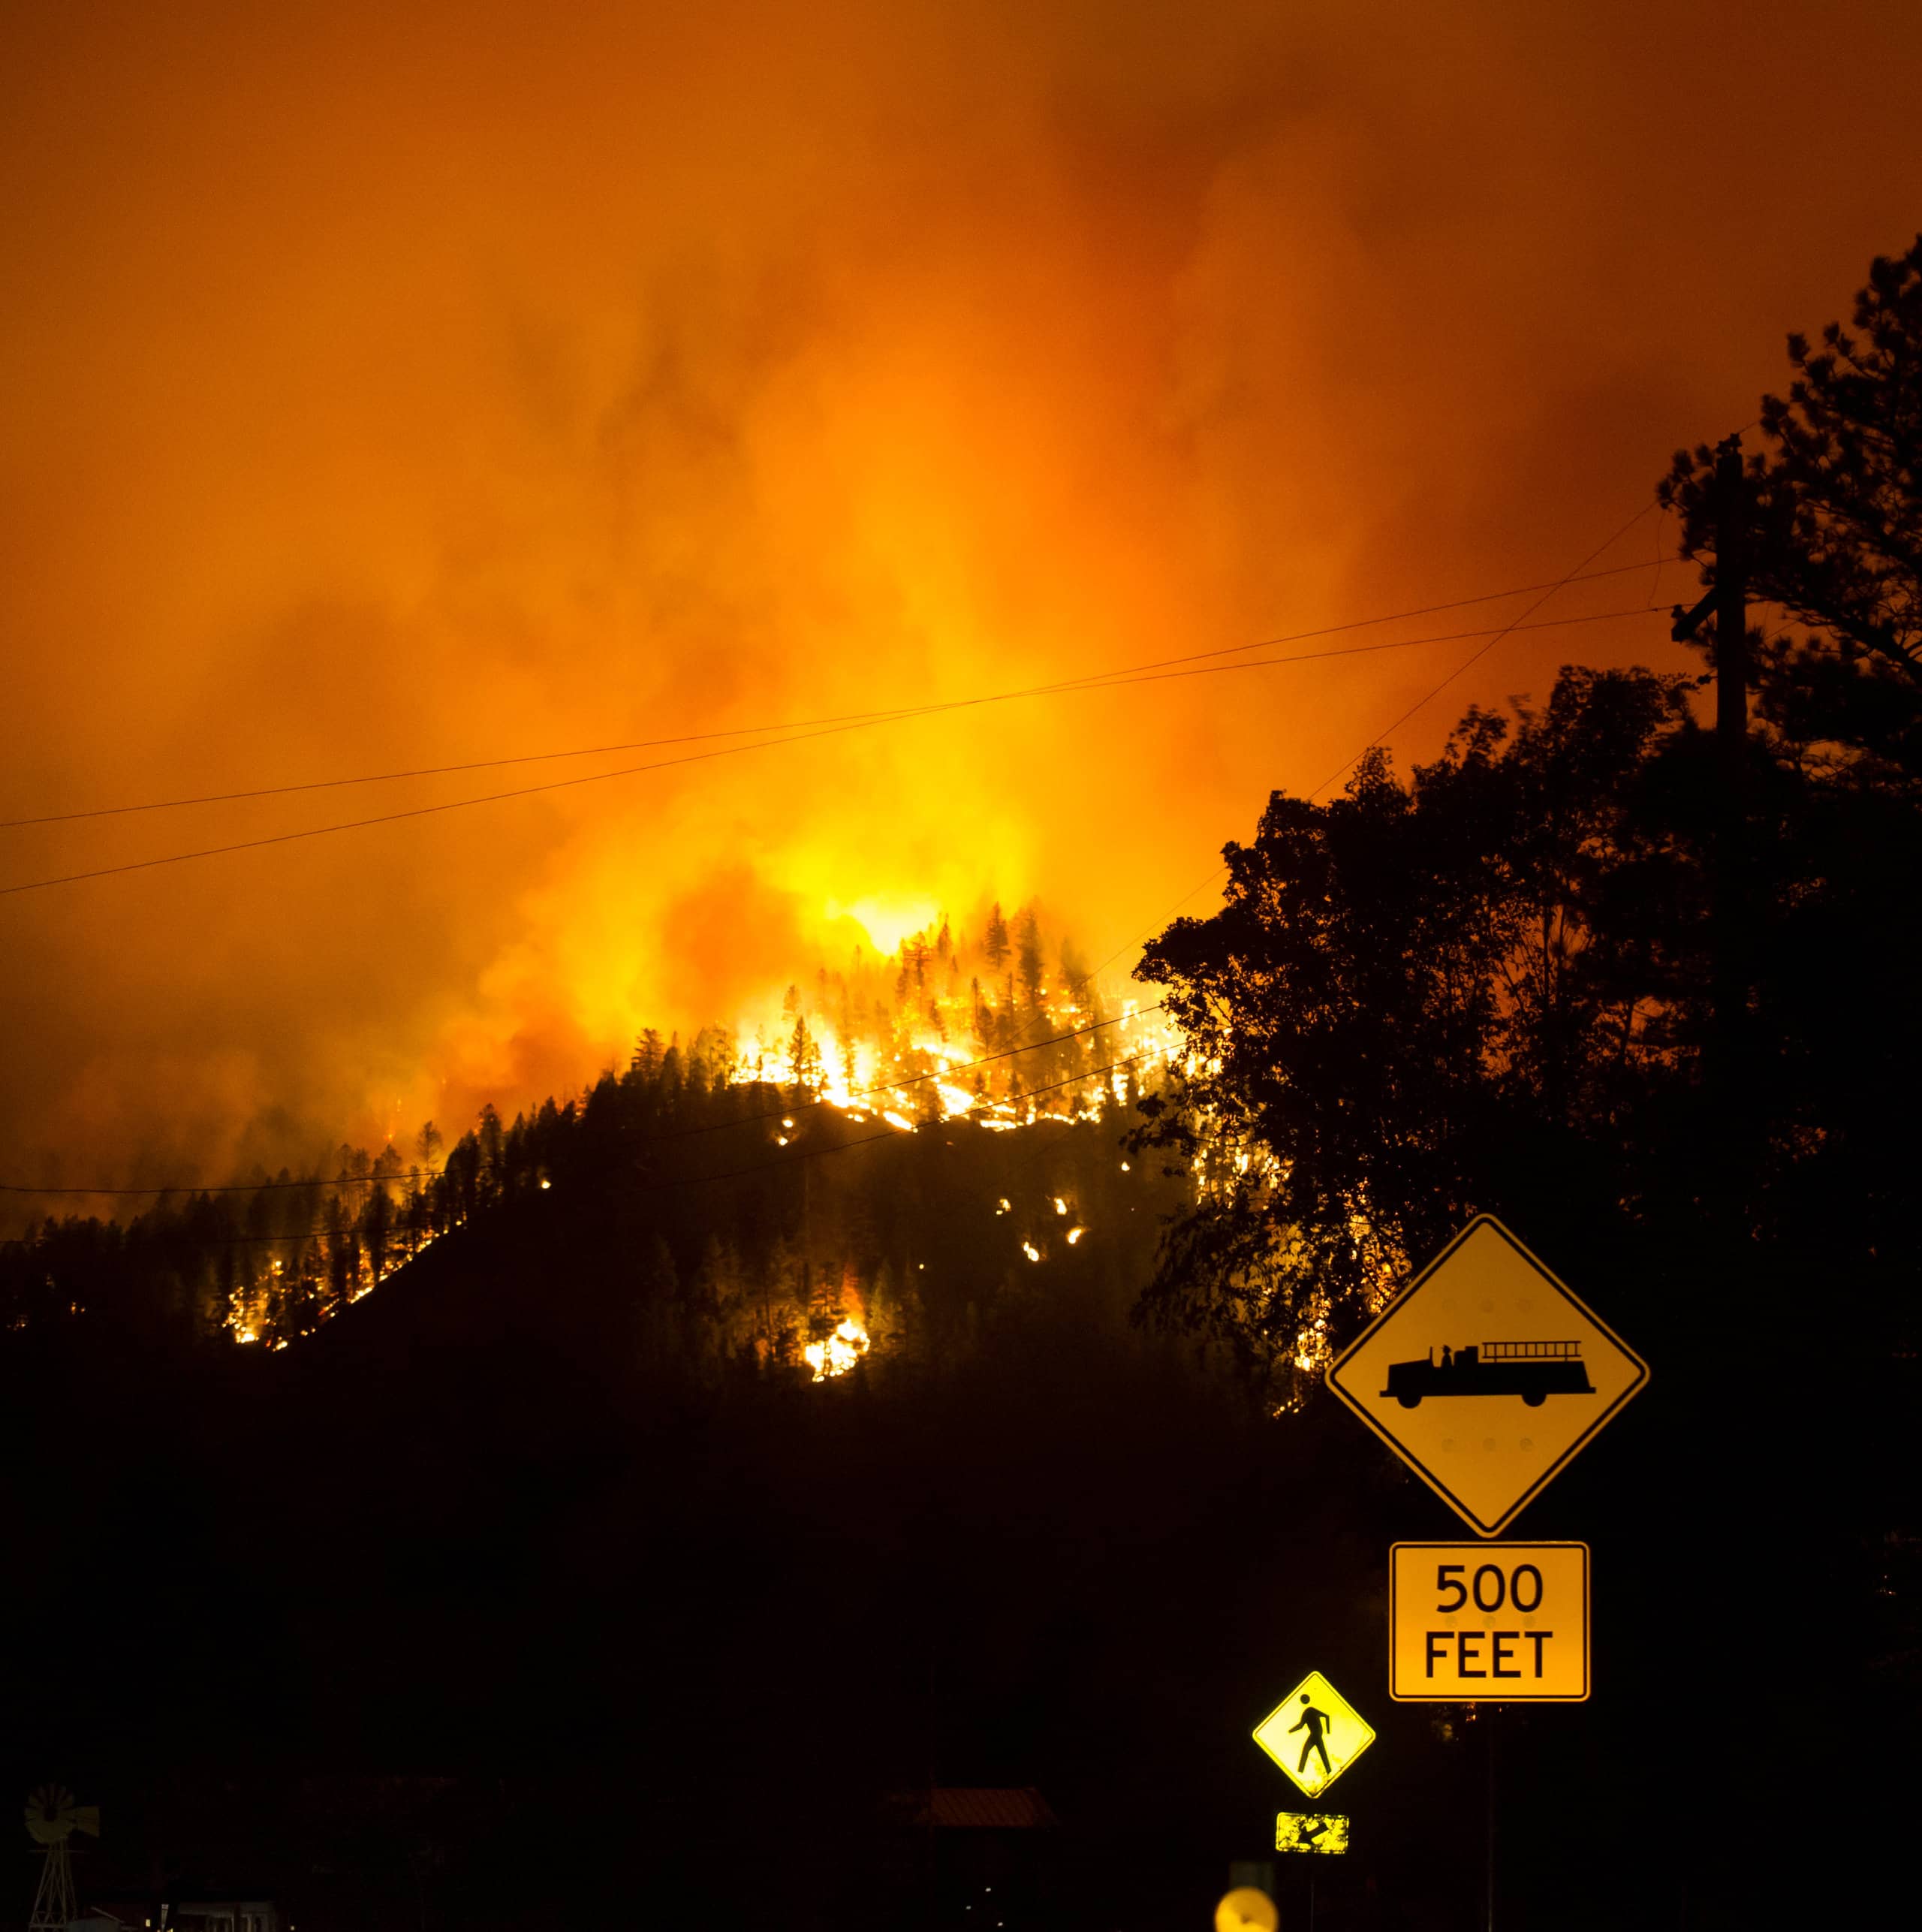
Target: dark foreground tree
(1834, 528)
(1423, 1000)
(1488, 989)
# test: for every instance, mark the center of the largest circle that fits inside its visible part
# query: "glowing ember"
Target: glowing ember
(1028, 1248)
(1074, 1234)
(839, 1352)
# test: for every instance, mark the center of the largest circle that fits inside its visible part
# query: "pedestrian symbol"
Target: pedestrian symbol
(1486, 1376)
(1314, 1734)
(1314, 1722)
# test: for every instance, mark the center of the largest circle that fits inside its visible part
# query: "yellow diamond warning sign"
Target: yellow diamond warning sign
(1487, 1376)
(1314, 1734)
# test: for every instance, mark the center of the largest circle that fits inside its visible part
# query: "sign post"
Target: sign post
(1487, 1376)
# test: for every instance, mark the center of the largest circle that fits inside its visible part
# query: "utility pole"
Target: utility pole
(1730, 939)
(1728, 602)
(1731, 618)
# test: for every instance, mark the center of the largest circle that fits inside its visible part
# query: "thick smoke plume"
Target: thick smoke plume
(392, 387)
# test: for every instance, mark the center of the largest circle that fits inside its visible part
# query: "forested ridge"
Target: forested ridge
(736, 1176)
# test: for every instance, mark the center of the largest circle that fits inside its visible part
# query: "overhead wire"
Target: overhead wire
(1549, 590)
(1476, 657)
(739, 731)
(1113, 680)
(1117, 678)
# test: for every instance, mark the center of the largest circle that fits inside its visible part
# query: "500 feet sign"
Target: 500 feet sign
(1488, 1622)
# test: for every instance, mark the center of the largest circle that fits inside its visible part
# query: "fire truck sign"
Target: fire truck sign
(1487, 1376)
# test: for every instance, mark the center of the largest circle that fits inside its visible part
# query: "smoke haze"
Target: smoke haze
(387, 387)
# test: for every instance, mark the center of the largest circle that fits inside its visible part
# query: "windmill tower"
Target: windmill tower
(52, 1818)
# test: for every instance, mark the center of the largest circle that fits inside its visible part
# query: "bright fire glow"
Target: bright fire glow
(886, 917)
(982, 1022)
(839, 1352)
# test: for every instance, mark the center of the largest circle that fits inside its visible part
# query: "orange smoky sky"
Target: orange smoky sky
(386, 387)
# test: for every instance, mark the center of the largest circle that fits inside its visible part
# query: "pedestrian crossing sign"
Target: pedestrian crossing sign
(1314, 1734)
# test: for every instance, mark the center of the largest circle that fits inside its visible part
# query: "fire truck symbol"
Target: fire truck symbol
(1533, 1370)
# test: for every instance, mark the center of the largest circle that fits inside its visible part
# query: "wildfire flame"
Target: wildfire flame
(943, 1025)
(839, 1352)
(1001, 1031)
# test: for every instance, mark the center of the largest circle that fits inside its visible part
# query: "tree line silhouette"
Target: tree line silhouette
(1493, 984)
(730, 1241)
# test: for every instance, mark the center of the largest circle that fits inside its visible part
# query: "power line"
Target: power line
(741, 730)
(228, 1187)
(1519, 622)
(393, 818)
(1362, 623)
(1111, 680)
(1124, 677)
(1549, 590)
(1118, 680)
(1476, 657)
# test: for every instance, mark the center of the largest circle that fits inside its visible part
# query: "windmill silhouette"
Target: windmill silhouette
(52, 1819)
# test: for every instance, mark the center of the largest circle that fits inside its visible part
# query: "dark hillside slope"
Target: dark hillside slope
(514, 1531)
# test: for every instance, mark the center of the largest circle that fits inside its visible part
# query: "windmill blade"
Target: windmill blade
(86, 1818)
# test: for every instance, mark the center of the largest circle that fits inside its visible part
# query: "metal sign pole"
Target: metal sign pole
(1489, 1880)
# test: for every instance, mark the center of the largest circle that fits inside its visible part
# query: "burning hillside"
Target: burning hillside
(704, 1164)
(1000, 1026)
